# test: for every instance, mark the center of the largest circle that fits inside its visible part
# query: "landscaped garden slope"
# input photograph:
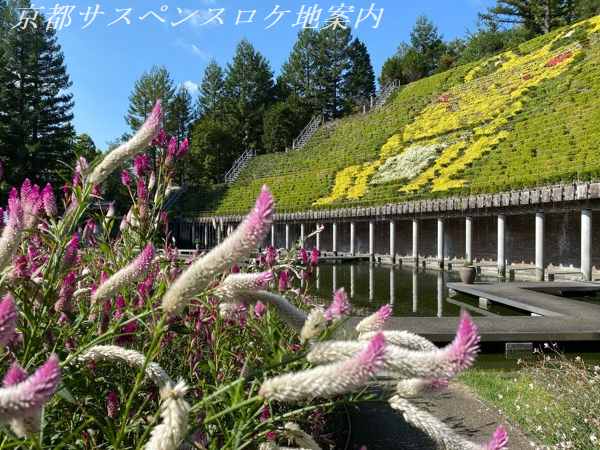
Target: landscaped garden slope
(524, 117)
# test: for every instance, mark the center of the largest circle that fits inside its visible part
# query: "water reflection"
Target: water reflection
(410, 292)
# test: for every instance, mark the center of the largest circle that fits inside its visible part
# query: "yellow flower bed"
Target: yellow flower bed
(344, 180)
(361, 180)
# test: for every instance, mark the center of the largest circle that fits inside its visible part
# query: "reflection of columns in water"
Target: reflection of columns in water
(415, 290)
(205, 235)
(287, 236)
(352, 281)
(371, 288)
(334, 237)
(392, 286)
(272, 235)
(440, 294)
(317, 278)
(302, 235)
(318, 239)
(334, 278)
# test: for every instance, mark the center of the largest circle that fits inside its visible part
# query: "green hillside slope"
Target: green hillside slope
(525, 117)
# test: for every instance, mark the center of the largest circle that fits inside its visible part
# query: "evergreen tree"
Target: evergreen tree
(153, 85)
(249, 92)
(210, 100)
(35, 112)
(427, 43)
(283, 122)
(300, 73)
(180, 114)
(359, 81)
(212, 151)
(83, 145)
(537, 16)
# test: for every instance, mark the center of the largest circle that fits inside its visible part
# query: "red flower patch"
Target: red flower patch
(444, 98)
(555, 61)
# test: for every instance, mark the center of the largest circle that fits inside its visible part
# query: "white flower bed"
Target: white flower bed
(407, 165)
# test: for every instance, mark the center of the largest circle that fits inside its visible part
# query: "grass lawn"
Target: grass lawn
(555, 401)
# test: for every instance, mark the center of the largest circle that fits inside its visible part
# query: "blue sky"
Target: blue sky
(104, 61)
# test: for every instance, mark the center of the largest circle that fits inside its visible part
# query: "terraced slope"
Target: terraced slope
(525, 117)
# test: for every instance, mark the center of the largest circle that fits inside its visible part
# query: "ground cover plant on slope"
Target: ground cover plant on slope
(111, 342)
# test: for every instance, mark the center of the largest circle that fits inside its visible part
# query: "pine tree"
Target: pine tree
(35, 111)
(249, 92)
(537, 16)
(210, 100)
(180, 114)
(359, 81)
(153, 85)
(427, 43)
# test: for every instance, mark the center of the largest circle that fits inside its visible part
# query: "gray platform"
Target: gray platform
(561, 319)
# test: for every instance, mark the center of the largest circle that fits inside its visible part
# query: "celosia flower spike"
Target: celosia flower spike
(403, 339)
(19, 399)
(236, 246)
(339, 307)
(49, 201)
(235, 285)
(499, 439)
(8, 319)
(375, 322)
(29, 423)
(14, 375)
(329, 380)
(314, 324)
(129, 274)
(292, 316)
(126, 151)
(174, 412)
(11, 234)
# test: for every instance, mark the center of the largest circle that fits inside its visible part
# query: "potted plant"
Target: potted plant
(467, 273)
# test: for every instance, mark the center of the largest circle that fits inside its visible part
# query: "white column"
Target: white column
(287, 236)
(352, 231)
(501, 257)
(392, 287)
(371, 239)
(440, 242)
(205, 235)
(393, 240)
(469, 239)
(415, 241)
(273, 235)
(302, 233)
(371, 287)
(440, 294)
(334, 277)
(318, 278)
(318, 239)
(586, 244)
(219, 233)
(539, 246)
(415, 289)
(352, 281)
(193, 234)
(334, 237)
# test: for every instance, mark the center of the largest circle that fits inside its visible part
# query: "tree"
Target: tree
(392, 71)
(83, 145)
(537, 16)
(282, 123)
(212, 90)
(36, 109)
(489, 39)
(249, 92)
(427, 43)
(153, 85)
(180, 114)
(359, 81)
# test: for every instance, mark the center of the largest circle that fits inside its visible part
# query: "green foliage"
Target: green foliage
(282, 123)
(210, 100)
(359, 81)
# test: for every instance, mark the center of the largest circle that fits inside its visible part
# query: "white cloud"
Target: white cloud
(191, 87)
(193, 48)
(199, 52)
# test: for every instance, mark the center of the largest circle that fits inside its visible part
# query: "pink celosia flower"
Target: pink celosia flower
(63, 304)
(236, 246)
(14, 375)
(112, 404)
(259, 309)
(1, 216)
(271, 256)
(183, 148)
(8, 319)
(375, 321)
(49, 201)
(31, 200)
(125, 178)
(314, 257)
(235, 269)
(71, 256)
(120, 306)
(465, 346)
(139, 142)
(161, 139)
(133, 272)
(20, 399)
(141, 164)
(499, 439)
(128, 332)
(303, 256)
(265, 413)
(20, 268)
(11, 234)
(237, 285)
(339, 307)
(284, 280)
(328, 380)
(142, 189)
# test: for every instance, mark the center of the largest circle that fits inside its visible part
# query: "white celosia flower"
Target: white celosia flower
(293, 432)
(126, 276)
(314, 325)
(11, 234)
(238, 245)
(139, 142)
(404, 339)
(132, 358)
(329, 380)
(228, 310)
(375, 321)
(232, 287)
(174, 412)
(441, 363)
(441, 433)
(291, 315)
(414, 387)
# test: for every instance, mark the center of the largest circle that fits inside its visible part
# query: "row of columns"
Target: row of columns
(586, 240)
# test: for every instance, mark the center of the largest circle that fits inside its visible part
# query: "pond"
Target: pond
(412, 293)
